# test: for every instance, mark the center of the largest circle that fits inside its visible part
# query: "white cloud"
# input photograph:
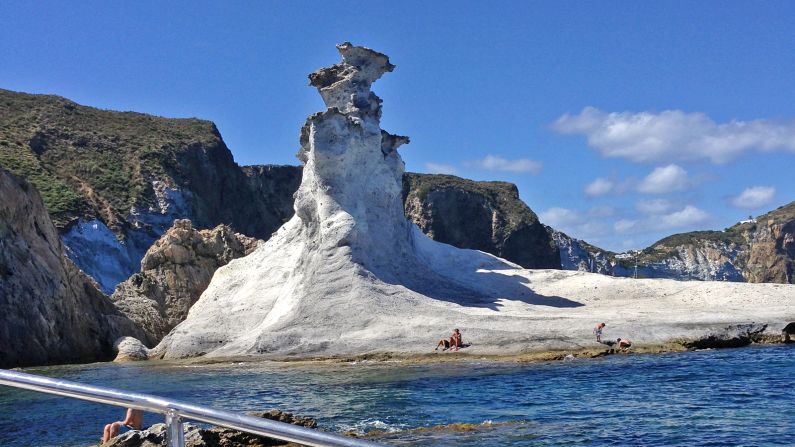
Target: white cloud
(665, 179)
(599, 187)
(558, 217)
(624, 225)
(674, 135)
(601, 211)
(654, 207)
(437, 168)
(497, 163)
(754, 197)
(582, 225)
(687, 216)
(603, 224)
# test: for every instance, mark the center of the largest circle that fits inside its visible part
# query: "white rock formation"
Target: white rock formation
(348, 274)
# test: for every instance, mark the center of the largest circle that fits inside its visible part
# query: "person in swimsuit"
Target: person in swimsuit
(453, 343)
(598, 331)
(623, 344)
(133, 421)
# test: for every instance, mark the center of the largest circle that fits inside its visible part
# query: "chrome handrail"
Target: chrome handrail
(175, 412)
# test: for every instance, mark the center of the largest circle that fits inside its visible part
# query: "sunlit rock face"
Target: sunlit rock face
(50, 312)
(349, 274)
(348, 242)
(351, 192)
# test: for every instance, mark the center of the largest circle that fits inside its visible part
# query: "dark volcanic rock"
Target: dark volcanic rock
(273, 187)
(486, 216)
(174, 273)
(50, 312)
(733, 336)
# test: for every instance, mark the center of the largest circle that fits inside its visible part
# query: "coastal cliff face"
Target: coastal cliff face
(51, 312)
(759, 251)
(349, 274)
(113, 182)
(581, 256)
(486, 216)
(349, 267)
(174, 273)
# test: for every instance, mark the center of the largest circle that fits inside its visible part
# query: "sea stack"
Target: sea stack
(349, 274)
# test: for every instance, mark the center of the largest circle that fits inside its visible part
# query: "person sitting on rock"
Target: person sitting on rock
(453, 342)
(623, 344)
(133, 421)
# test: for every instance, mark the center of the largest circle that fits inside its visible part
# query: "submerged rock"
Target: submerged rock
(174, 273)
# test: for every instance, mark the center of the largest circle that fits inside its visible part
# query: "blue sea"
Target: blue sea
(732, 397)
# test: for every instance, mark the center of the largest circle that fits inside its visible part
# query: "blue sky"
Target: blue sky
(620, 122)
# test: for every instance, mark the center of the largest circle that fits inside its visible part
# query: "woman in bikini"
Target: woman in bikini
(453, 342)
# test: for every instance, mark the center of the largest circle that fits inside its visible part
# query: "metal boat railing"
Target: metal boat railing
(176, 412)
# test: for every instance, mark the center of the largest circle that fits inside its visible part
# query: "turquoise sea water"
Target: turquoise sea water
(706, 398)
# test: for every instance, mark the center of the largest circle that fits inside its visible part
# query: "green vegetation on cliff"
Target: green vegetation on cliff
(91, 162)
(487, 216)
(503, 195)
(737, 235)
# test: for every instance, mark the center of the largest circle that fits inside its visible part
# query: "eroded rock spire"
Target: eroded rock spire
(352, 177)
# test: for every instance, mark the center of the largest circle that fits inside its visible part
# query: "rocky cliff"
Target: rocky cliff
(51, 312)
(349, 274)
(174, 273)
(579, 255)
(758, 250)
(113, 182)
(486, 216)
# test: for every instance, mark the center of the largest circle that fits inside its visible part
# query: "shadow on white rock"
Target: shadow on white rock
(349, 274)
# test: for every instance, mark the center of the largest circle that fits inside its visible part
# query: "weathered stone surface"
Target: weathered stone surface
(788, 333)
(50, 312)
(115, 181)
(580, 255)
(155, 435)
(350, 275)
(174, 273)
(760, 250)
(486, 216)
(733, 336)
(130, 349)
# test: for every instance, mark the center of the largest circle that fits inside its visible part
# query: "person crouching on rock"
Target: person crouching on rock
(623, 344)
(453, 343)
(133, 421)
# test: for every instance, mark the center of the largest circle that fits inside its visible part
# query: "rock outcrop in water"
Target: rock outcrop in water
(349, 274)
(174, 273)
(50, 312)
